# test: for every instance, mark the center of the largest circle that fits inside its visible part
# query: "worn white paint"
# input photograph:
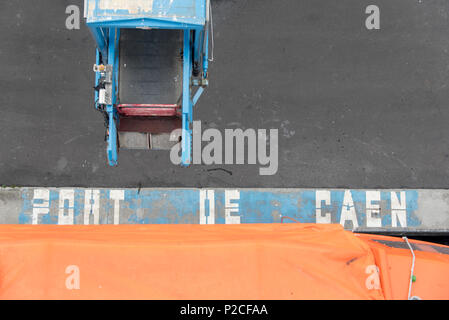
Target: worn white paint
(348, 210)
(320, 197)
(66, 213)
(91, 206)
(42, 197)
(117, 196)
(373, 219)
(232, 207)
(428, 210)
(398, 210)
(207, 195)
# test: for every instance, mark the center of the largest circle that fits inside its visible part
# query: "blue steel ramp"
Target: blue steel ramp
(181, 57)
(150, 66)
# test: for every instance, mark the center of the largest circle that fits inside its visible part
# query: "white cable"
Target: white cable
(212, 33)
(411, 271)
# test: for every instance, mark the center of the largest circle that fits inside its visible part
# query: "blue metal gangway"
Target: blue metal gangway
(155, 50)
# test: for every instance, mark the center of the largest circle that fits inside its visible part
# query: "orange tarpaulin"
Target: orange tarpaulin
(269, 261)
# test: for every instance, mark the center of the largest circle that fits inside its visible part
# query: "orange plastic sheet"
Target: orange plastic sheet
(270, 261)
(394, 259)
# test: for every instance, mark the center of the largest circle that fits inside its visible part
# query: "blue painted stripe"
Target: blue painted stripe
(175, 206)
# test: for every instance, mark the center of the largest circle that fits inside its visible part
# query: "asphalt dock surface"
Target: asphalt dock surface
(355, 108)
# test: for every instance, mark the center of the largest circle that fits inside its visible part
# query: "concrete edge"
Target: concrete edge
(356, 209)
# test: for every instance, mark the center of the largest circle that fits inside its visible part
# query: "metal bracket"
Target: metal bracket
(105, 83)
